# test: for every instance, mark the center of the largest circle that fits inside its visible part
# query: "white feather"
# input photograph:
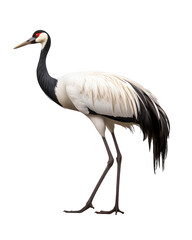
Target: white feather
(42, 39)
(103, 93)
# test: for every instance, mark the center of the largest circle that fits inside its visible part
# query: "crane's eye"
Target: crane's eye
(37, 35)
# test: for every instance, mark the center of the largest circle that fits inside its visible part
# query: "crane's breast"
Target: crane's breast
(62, 96)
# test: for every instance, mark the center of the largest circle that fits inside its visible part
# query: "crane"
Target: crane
(106, 99)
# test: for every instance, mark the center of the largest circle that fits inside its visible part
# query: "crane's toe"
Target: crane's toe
(87, 206)
(114, 210)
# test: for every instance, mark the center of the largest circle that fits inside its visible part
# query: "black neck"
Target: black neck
(46, 82)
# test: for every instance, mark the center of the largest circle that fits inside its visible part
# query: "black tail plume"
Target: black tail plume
(155, 126)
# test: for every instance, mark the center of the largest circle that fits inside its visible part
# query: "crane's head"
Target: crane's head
(38, 36)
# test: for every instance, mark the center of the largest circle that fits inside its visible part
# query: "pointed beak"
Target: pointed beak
(29, 41)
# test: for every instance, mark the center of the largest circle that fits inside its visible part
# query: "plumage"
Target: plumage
(106, 99)
(101, 92)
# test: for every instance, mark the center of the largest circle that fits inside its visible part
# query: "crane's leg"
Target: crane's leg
(109, 164)
(119, 158)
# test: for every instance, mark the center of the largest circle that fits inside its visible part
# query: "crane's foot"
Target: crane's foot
(114, 210)
(87, 206)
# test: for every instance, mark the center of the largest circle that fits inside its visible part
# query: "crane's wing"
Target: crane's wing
(103, 94)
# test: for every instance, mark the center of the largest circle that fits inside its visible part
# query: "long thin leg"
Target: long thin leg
(119, 158)
(109, 164)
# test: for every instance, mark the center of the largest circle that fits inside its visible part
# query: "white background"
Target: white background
(51, 158)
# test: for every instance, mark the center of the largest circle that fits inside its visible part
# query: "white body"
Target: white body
(103, 93)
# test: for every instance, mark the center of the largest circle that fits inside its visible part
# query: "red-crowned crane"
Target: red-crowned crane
(106, 99)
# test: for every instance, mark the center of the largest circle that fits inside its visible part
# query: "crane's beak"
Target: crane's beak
(29, 41)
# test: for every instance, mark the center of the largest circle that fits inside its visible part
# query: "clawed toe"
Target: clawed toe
(116, 210)
(87, 206)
